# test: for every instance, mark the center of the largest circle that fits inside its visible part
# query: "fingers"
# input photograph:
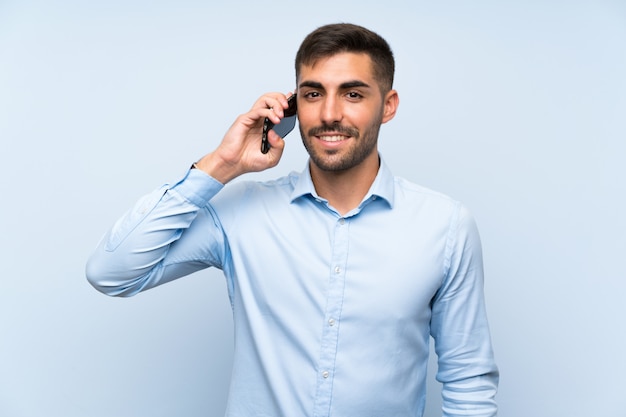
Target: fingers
(272, 106)
(276, 142)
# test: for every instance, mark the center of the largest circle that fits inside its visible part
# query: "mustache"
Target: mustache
(333, 128)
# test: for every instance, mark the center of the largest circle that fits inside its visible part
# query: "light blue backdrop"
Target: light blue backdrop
(516, 108)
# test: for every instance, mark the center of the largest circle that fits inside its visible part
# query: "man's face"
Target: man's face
(340, 110)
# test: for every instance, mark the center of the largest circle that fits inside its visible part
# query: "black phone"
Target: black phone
(283, 128)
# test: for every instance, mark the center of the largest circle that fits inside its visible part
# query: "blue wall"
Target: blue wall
(516, 109)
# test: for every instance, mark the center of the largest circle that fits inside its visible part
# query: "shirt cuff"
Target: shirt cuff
(197, 187)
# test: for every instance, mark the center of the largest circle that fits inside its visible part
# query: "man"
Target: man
(338, 275)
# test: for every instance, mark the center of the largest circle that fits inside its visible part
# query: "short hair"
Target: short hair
(332, 39)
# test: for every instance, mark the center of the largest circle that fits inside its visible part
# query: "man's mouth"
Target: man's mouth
(332, 138)
(333, 133)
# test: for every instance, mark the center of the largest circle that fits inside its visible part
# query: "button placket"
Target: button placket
(330, 332)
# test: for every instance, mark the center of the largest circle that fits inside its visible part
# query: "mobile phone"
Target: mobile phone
(283, 128)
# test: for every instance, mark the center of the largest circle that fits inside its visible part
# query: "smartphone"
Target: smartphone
(283, 128)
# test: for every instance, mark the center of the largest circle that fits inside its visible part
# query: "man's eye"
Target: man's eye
(312, 94)
(354, 95)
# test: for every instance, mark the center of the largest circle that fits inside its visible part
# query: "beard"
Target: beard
(341, 160)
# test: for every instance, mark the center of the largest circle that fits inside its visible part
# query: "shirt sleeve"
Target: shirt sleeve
(466, 365)
(169, 233)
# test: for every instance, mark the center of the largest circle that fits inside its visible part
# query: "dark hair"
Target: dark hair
(332, 39)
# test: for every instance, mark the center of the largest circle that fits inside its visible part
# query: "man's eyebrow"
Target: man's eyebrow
(344, 86)
(311, 84)
(354, 84)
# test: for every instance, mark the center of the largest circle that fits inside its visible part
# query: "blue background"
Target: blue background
(516, 108)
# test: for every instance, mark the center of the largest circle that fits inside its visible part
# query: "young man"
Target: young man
(338, 275)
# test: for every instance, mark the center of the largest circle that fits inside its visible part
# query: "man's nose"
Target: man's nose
(331, 111)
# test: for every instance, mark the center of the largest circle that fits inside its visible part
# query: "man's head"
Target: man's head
(332, 39)
(344, 88)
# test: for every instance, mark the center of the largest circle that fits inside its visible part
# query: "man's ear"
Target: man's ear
(391, 103)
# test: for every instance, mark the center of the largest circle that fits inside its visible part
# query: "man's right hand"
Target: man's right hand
(240, 149)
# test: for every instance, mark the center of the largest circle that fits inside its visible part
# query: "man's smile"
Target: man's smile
(332, 138)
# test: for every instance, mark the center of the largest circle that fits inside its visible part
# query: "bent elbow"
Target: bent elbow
(92, 273)
(104, 280)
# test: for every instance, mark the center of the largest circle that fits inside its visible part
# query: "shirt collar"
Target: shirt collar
(382, 187)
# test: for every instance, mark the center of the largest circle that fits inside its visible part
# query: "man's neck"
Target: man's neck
(345, 190)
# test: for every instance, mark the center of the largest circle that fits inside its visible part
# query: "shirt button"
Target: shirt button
(325, 374)
(331, 322)
(337, 269)
(342, 221)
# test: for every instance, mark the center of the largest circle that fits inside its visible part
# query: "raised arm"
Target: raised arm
(157, 240)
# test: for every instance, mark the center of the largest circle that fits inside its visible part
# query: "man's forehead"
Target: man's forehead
(338, 68)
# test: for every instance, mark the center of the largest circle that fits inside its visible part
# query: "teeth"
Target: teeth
(332, 138)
